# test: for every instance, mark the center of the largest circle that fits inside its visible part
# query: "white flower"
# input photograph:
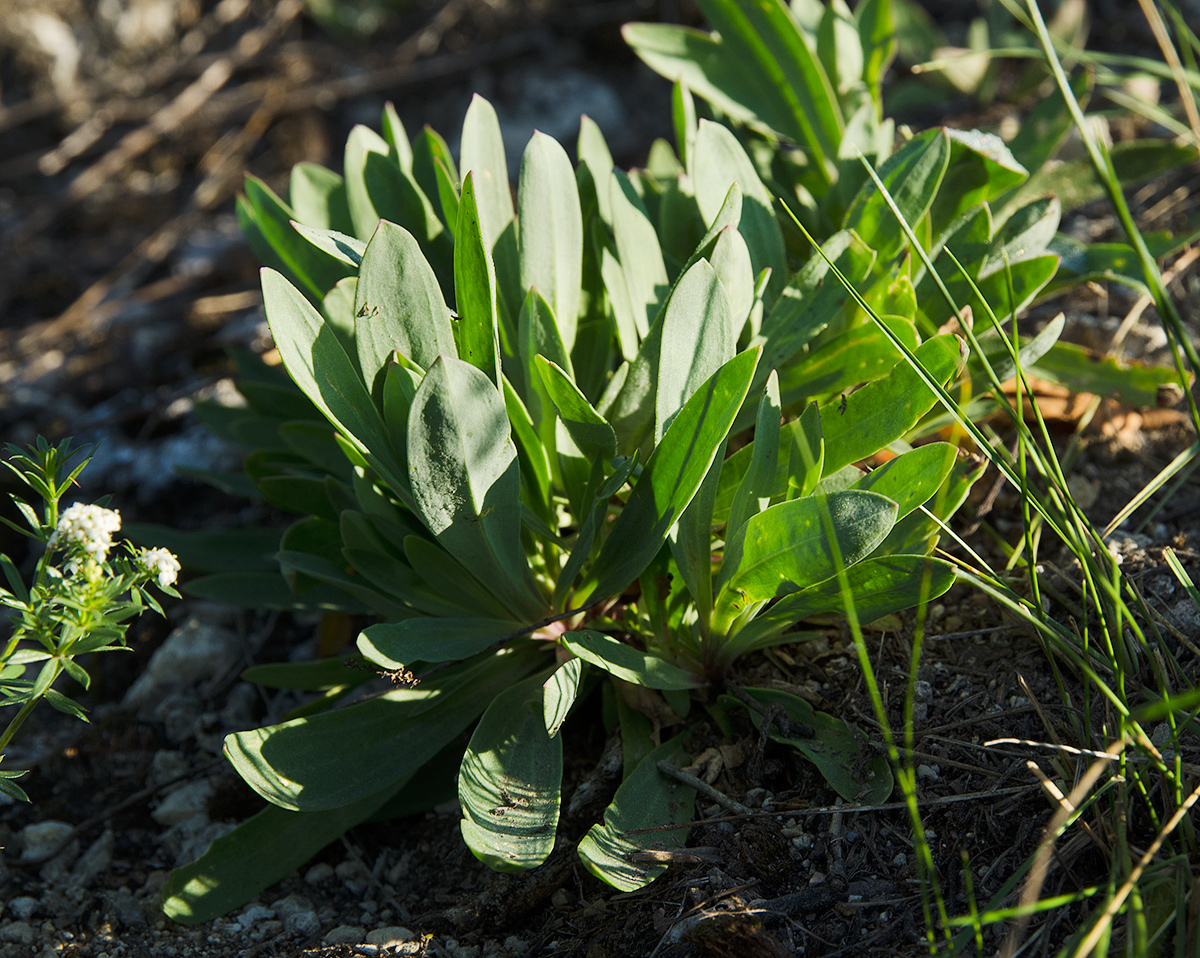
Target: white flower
(92, 527)
(161, 563)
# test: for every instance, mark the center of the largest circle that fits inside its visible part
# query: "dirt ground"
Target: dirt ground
(122, 283)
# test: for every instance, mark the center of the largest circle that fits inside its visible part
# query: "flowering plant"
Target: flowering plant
(82, 596)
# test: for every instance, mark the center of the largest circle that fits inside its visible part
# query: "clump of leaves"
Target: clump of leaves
(81, 597)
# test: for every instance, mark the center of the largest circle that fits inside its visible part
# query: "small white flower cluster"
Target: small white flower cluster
(161, 563)
(90, 526)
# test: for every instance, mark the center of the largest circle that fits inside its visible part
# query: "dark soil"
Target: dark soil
(123, 282)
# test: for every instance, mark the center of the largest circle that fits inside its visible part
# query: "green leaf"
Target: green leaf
(646, 799)
(244, 549)
(786, 547)
(560, 692)
(912, 177)
(910, 479)
(591, 527)
(836, 748)
(871, 418)
(626, 662)
(671, 477)
(363, 214)
(343, 248)
(318, 197)
(449, 581)
(306, 764)
(589, 430)
(550, 225)
(510, 780)
(398, 304)
(1082, 370)
(268, 590)
(395, 645)
(316, 361)
(981, 168)
(758, 485)
(475, 289)
(697, 339)
(720, 162)
(310, 676)
(858, 355)
(640, 257)
(257, 853)
(465, 480)
(482, 153)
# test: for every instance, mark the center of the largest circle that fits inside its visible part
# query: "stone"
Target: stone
(95, 860)
(322, 871)
(166, 765)
(195, 651)
(184, 802)
(253, 915)
(18, 932)
(298, 915)
(389, 935)
(345, 935)
(24, 908)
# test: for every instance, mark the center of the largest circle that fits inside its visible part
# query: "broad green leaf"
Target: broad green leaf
(589, 430)
(697, 339)
(878, 586)
(786, 547)
(912, 177)
(260, 851)
(310, 676)
(869, 419)
(447, 193)
(683, 115)
(981, 168)
(910, 479)
(397, 137)
(671, 477)
(1081, 370)
(320, 367)
(550, 225)
(449, 580)
(465, 483)
(877, 28)
(626, 662)
(646, 799)
(318, 197)
(858, 355)
(730, 260)
(836, 748)
(595, 160)
(398, 305)
(719, 163)
(691, 541)
(535, 465)
(430, 151)
(510, 780)
(559, 693)
(538, 334)
(765, 42)
(475, 289)
(840, 48)
(396, 645)
(305, 764)
(591, 526)
(267, 590)
(242, 549)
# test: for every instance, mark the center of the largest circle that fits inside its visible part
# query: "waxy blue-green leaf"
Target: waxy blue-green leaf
(538, 334)
(482, 153)
(475, 289)
(671, 477)
(877, 28)
(550, 227)
(912, 177)
(535, 464)
(836, 748)
(430, 152)
(318, 196)
(320, 367)
(305, 764)
(363, 212)
(858, 355)
(646, 799)
(720, 162)
(683, 117)
(345, 249)
(697, 339)
(510, 781)
(463, 469)
(449, 579)
(591, 526)
(626, 662)
(786, 547)
(730, 260)
(590, 431)
(596, 163)
(871, 418)
(447, 194)
(839, 48)
(396, 645)
(638, 252)
(267, 223)
(559, 693)
(398, 304)
(981, 168)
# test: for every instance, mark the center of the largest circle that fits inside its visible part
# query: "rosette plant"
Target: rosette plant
(522, 443)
